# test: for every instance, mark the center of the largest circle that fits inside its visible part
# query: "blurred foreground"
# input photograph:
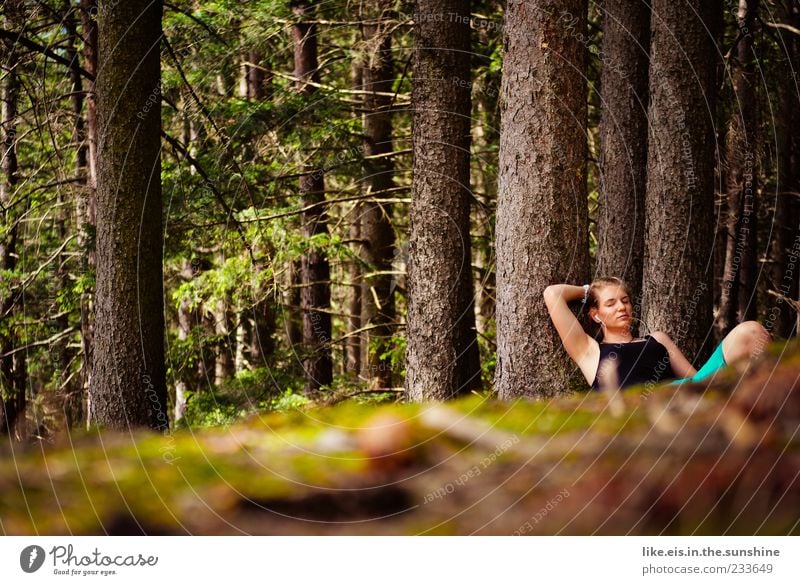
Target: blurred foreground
(662, 460)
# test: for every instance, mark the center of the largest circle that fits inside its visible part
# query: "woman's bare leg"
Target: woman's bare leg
(746, 341)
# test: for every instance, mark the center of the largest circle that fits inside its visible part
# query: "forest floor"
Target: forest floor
(719, 459)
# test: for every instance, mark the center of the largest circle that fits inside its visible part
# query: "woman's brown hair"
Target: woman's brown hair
(602, 282)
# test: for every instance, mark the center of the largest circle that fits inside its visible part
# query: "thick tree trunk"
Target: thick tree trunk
(315, 295)
(679, 207)
(377, 235)
(781, 318)
(623, 141)
(737, 299)
(542, 216)
(442, 353)
(128, 379)
(12, 395)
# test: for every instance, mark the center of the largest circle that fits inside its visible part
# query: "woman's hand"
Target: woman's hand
(680, 365)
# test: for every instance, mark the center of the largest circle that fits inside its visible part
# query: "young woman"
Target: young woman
(619, 359)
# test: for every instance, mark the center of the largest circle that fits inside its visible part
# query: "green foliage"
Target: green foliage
(250, 392)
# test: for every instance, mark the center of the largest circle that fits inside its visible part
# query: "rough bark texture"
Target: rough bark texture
(315, 296)
(442, 354)
(128, 379)
(679, 207)
(623, 141)
(542, 217)
(12, 394)
(737, 296)
(377, 235)
(781, 318)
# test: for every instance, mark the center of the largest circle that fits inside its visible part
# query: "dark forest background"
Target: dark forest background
(212, 208)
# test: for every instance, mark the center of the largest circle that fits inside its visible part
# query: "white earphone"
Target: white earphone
(596, 318)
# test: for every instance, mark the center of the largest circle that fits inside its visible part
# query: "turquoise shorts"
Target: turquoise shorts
(714, 364)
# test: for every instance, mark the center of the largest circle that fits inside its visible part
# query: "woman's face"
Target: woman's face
(614, 307)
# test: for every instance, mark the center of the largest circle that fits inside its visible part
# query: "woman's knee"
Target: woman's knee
(746, 340)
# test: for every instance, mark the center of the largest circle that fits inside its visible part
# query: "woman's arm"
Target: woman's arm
(575, 340)
(680, 365)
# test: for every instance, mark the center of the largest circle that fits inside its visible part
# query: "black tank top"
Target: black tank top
(638, 362)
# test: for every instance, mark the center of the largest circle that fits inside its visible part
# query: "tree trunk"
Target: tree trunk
(442, 353)
(315, 295)
(679, 206)
(223, 357)
(542, 209)
(354, 337)
(737, 298)
(377, 235)
(128, 379)
(12, 396)
(785, 247)
(262, 345)
(185, 323)
(623, 142)
(86, 202)
(74, 394)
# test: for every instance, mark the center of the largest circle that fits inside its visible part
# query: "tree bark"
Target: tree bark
(542, 215)
(782, 319)
(315, 295)
(128, 380)
(737, 298)
(377, 235)
(679, 206)
(442, 353)
(623, 142)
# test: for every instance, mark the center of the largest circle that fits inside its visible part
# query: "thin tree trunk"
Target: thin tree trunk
(377, 235)
(223, 359)
(74, 394)
(679, 206)
(128, 379)
(354, 339)
(86, 202)
(185, 323)
(542, 209)
(623, 141)
(442, 353)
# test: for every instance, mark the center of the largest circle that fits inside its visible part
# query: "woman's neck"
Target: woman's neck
(617, 337)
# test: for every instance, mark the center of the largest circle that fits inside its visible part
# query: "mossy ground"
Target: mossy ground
(676, 460)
